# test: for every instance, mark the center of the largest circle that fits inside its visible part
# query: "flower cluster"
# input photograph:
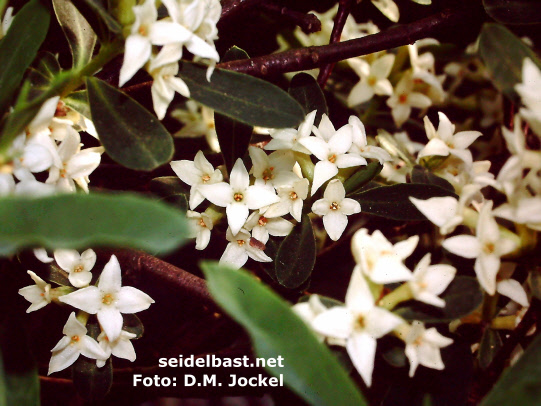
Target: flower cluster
(51, 143)
(190, 24)
(363, 319)
(279, 186)
(108, 300)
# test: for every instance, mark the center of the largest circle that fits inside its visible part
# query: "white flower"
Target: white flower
(240, 248)
(331, 148)
(430, 280)
(309, 310)
(289, 138)
(196, 173)
(379, 259)
(487, 247)
(360, 323)
(423, 347)
(388, 8)
(41, 254)
(444, 141)
(121, 347)
(238, 197)
(291, 200)
(77, 266)
(360, 145)
(261, 226)
(109, 299)
(38, 295)
(527, 211)
(198, 120)
(73, 165)
(335, 207)
(530, 90)
(275, 169)
(200, 225)
(145, 32)
(74, 343)
(404, 98)
(373, 79)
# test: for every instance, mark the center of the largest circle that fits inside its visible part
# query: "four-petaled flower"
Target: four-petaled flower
(38, 294)
(77, 266)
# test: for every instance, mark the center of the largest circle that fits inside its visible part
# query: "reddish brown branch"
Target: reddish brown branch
(232, 7)
(313, 57)
(344, 8)
(308, 23)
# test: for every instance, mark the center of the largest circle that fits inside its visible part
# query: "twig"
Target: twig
(232, 7)
(313, 57)
(344, 8)
(308, 23)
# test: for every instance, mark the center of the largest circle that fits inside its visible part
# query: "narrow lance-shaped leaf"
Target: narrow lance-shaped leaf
(297, 255)
(520, 384)
(393, 201)
(81, 38)
(364, 175)
(488, 347)
(503, 54)
(420, 174)
(233, 136)
(81, 221)
(103, 24)
(309, 368)
(305, 89)
(20, 46)
(78, 101)
(514, 11)
(131, 135)
(245, 98)
(462, 297)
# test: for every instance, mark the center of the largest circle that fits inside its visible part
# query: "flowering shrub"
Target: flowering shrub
(385, 208)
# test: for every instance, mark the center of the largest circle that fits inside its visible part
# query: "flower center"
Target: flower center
(238, 197)
(332, 158)
(489, 248)
(262, 221)
(268, 174)
(202, 223)
(79, 268)
(240, 242)
(403, 98)
(74, 339)
(293, 196)
(360, 323)
(107, 299)
(143, 30)
(334, 206)
(372, 80)
(205, 178)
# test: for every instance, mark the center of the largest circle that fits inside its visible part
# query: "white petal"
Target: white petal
(350, 206)
(465, 246)
(316, 146)
(132, 300)
(87, 299)
(237, 213)
(136, 54)
(379, 322)
(323, 171)
(124, 349)
(66, 259)
(405, 248)
(221, 194)
(62, 359)
(111, 322)
(362, 351)
(335, 223)
(513, 290)
(111, 278)
(336, 322)
(360, 93)
(349, 160)
(91, 349)
(334, 192)
(439, 210)
(486, 268)
(279, 227)
(321, 207)
(256, 197)
(80, 279)
(234, 256)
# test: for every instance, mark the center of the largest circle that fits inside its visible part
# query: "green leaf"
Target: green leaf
(20, 46)
(520, 384)
(305, 89)
(103, 24)
(364, 175)
(420, 174)
(503, 54)
(489, 346)
(309, 368)
(534, 281)
(132, 324)
(81, 221)
(131, 135)
(462, 297)
(297, 255)
(242, 97)
(514, 11)
(78, 101)
(92, 383)
(233, 136)
(81, 38)
(168, 186)
(393, 201)
(19, 382)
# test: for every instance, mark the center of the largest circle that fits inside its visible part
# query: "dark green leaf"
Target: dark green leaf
(233, 136)
(131, 135)
(462, 297)
(420, 174)
(305, 89)
(20, 46)
(297, 255)
(81, 221)
(520, 384)
(393, 201)
(78, 101)
(488, 347)
(103, 24)
(364, 175)
(57, 275)
(245, 98)
(168, 185)
(19, 382)
(308, 367)
(81, 38)
(503, 54)
(534, 280)
(395, 356)
(271, 249)
(132, 324)
(514, 11)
